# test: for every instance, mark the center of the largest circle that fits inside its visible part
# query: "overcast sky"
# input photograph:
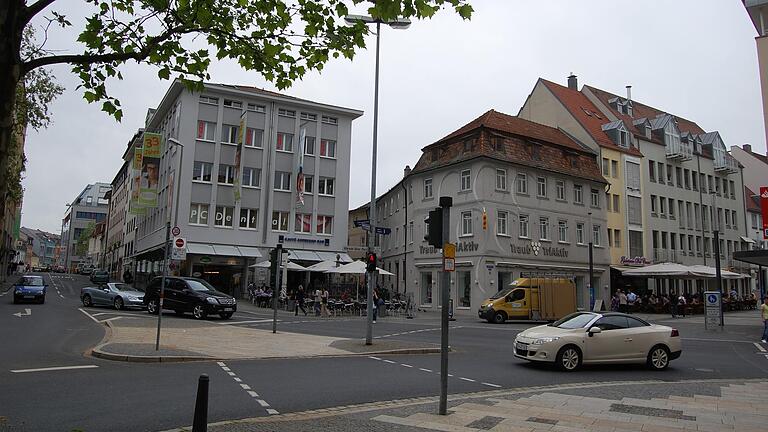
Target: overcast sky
(693, 58)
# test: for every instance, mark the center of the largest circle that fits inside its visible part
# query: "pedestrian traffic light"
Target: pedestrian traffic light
(273, 257)
(435, 228)
(370, 262)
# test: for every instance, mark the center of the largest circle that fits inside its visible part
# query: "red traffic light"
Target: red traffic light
(370, 262)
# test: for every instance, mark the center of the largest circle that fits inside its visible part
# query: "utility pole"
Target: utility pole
(445, 295)
(591, 263)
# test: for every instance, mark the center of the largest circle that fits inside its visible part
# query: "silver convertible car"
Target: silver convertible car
(118, 295)
(588, 337)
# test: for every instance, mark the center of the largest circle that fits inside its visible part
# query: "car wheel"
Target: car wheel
(568, 358)
(226, 315)
(152, 307)
(658, 358)
(119, 304)
(199, 312)
(499, 317)
(87, 302)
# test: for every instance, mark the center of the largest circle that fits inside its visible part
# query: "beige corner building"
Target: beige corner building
(758, 12)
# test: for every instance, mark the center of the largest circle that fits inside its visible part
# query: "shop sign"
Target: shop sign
(536, 248)
(461, 247)
(636, 261)
(314, 241)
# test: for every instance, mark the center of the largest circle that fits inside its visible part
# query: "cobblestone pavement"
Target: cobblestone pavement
(651, 406)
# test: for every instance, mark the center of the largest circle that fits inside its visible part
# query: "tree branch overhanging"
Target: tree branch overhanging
(34, 9)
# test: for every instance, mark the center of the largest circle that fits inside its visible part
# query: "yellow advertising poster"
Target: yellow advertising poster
(150, 170)
(134, 207)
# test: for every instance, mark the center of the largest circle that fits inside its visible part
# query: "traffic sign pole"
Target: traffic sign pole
(445, 288)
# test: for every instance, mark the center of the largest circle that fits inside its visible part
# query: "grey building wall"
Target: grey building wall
(89, 203)
(486, 260)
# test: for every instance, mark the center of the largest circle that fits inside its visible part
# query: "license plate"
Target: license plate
(29, 297)
(521, 346)
(227, 309)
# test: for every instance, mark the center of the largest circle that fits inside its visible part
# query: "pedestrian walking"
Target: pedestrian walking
(318, 299)
(324, 303)
(631, 300)
(376, 299)
(673, 305)
(615, 302)
(681, 304)
(764, 316)
(622, 302)
(299, 298)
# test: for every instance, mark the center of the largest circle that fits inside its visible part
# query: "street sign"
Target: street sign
(449, 264)
(712, 309)
(449, 250)
(179, 250)
(362, 222)
(176, 231)
(383, 231)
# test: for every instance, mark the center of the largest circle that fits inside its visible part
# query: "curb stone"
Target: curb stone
(373, 406)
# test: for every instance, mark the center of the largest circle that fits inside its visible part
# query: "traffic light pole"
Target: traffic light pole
(276, 291)
(445, 295)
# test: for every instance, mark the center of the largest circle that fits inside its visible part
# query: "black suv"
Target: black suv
(186, 294)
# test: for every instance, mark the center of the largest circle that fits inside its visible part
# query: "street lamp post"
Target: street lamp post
(591, 263)
(716, 250)
(395, 24)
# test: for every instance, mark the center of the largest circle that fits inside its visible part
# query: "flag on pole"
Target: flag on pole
(239, 153)
(300, 173)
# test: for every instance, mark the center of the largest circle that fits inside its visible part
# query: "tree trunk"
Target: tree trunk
(10, 74)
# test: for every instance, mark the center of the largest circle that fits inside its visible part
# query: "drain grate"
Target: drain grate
(651, 412)
(485, 423)
(542, 420)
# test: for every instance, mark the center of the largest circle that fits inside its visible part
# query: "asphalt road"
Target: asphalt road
(119, 396)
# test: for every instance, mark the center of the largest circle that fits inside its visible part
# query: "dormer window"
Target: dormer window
(623, 138)
(671, 136)
(467, 145)
(628, 108)
(434, 155)
(618, 133)
(647, 130)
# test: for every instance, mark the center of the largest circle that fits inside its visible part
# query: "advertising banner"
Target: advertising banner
(300, 170)
(239, 154)
(134, 207)
(150, 169)
(764, 207)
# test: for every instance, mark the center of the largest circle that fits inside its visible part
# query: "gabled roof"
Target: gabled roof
(587, 114)
(709, 137)
(612, 125)
(752, 201)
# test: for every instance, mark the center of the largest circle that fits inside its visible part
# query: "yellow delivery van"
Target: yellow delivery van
(545, 299)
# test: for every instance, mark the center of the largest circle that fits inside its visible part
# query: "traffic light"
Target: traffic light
(370, 262)
(273, 262)
(435, 228)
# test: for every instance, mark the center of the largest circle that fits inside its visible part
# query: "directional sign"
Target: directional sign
(27, 312)
(362, 222)
(176, 231)
(383, 231)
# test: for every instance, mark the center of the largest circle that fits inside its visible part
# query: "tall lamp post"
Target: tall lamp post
(716, 250)
(591, 263)
(395, 24)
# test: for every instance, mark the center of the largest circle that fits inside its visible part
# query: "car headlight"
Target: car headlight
(212, 300)
(544, 340)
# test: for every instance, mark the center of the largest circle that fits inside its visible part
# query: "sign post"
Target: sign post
(713, 310)
(445, 294)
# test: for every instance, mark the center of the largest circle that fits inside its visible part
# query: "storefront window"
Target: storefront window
(426, 288)
(464, 284)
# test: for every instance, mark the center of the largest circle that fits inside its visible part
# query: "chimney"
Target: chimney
(406, 171)
(573, 82)
(629, 92)
(747, 148)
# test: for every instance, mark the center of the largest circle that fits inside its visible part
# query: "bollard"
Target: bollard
(200, 422)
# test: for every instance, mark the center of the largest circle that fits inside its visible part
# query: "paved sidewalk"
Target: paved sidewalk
(650, 406)
(186, 340)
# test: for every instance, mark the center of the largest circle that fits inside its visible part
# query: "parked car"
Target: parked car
(588, 337)
(115, 294)
(99, 276)
(186, 294)
(29, 288)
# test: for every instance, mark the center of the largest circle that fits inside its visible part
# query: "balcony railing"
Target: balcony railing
(665, 255)
(680, 151)
(728, 164)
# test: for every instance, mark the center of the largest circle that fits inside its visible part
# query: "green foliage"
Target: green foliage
(81, 247)
(280, 39)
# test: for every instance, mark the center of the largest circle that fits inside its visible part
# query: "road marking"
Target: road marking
(231, 373)
(389, 361)
(57, 368)
(247, 388)
(426, 370)
(220, 364)
(253, 393)
(61, 296)
(27, 312)
(89, 315)
(431, 371)
(375, 358)
(237, 379)
(262, 402)
(406, 365)
(112, 319)
(760, 347)
(225, 368)
(716, 340)
(467, 379)
(261, 321)
(271, 411)
(491, 385)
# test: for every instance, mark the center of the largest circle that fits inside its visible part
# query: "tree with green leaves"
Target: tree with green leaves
(81, 246)
(280, 39)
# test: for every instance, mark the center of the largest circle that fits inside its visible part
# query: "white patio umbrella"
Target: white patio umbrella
(291, 266)
(356, 267)
(710, 272)
(322, 266)
(662, 269)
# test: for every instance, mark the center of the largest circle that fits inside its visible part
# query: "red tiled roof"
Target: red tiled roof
(523, 142)
(753, 203)
(587, 114)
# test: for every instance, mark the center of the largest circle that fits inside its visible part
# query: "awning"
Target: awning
(303, 255)
(747, 240)
(756, 257)
(250, 252)
(200, 249)
(226, 250)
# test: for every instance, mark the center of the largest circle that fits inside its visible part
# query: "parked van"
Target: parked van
(541, 299)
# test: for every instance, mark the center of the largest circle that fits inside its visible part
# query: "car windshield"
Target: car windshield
(502, 293)
(122, 287)
(574, 321)
(199, 285)
(31, 281)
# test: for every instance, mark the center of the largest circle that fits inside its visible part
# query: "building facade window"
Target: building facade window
(464, 280)
(256, 108)
(595, 198)
(466, 223)
(284, 142)
(327, 148)
(226, 174)
(544, 228)
(562, 231)
(560, 190)
(578, 194)
(427, 188)
(325, 225)
(206, 131)
(201, 171)
(502, 218)
(326, 186)
(229, 134)
(303, 223)
(282, 112)
(596, 235)
(283, 181)
(198, 214)
(232, 103)
(208, 100)
(541, 187)
(248, 218)
(309, 146)
(580, 233)
(524, 231)
(466, 182)
(280, 221)
(501, 179)
(254, 137)
(224, 216)
(251, 177)
(522, 184)
(309, 185)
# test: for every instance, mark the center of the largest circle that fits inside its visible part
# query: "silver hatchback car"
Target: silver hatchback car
(595, 338)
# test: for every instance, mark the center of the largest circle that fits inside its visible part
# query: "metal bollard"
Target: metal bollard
(200, 422)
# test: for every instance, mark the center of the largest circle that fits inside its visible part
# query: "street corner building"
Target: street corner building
(240, 170)
(527, 201)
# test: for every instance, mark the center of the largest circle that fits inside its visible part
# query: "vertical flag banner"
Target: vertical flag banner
(764, 208)
(134, 206)
(241, 131)
(300, 171)
(150, 169)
